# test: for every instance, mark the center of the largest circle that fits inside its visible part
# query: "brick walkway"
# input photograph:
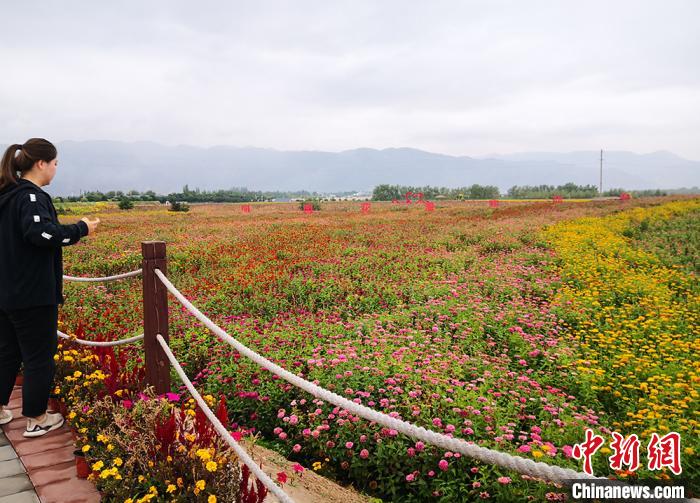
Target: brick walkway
(48, 461)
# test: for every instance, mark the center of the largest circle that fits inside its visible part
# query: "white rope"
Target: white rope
(516, 463)
(221, 429)
(100, 343)
(106, 278)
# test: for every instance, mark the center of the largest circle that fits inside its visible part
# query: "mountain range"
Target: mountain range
(112, 165)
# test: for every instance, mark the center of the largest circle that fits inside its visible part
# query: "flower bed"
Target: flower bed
(457, 320)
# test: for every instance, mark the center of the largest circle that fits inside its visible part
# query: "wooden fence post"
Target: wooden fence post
(155, 315)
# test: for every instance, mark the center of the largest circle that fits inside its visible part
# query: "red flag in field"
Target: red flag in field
(625, 196)
(429, 206)
(308, 208)
(493, 203)
(365, 207)
(557, 199)
(245, 208)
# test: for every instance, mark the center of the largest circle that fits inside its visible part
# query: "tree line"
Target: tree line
(387, 192)
(233, 195)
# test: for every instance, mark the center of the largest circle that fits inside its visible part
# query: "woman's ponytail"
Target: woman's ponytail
(8, 168)
(34, 149)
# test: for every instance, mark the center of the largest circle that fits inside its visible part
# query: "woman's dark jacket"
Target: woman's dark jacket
(31, 247)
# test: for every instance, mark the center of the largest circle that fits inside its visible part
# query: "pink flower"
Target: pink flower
(476, 485)
(364, 454)
(420, 446)
(524, 448)
(172, 397)
(348, 445)
(297, 468)
(410, 477)
(296, 448)
(443, 464)
(293, 419)
(127, 404)
(504, 480)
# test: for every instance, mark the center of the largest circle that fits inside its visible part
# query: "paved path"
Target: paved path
(15, 486)
(39, 469)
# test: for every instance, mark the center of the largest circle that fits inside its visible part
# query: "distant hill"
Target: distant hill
(111, 165)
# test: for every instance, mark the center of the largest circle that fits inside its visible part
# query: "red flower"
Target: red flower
(282, 478)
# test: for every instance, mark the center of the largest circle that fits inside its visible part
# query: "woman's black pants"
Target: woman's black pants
(28, 336)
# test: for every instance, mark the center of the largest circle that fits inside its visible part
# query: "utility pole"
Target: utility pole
(600, 186)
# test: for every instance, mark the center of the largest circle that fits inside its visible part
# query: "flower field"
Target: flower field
(515, 327)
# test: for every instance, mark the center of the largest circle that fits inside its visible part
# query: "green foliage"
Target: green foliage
(179, 206)
(315, 204)
(125, 203)
(568, 190)
(390, 192)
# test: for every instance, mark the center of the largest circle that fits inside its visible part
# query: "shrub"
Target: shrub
(315, 204)
(179, 206)
(125, 204)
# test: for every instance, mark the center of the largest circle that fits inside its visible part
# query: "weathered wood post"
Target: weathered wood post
(155, 315)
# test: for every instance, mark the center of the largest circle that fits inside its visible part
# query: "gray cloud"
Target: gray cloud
(465, 78)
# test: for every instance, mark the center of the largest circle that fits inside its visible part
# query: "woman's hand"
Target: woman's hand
(92, 224)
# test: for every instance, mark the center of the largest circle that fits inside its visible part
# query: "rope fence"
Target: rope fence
(83, 342)
(103, 279)
(521, 465)
(221, 429)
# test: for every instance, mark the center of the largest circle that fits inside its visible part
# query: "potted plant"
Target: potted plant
(81, 465)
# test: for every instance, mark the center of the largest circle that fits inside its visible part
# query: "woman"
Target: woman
(31, 279)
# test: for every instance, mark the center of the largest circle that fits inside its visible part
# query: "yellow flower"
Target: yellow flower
(200, 484)
(117, 462)
(537, 454)
(97, 466)
(212, 466)
(211, 499)
(171, 488)
(203, 454)
(128, 500)
(85, 448)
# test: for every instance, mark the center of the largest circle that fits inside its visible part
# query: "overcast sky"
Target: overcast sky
(459, 77)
